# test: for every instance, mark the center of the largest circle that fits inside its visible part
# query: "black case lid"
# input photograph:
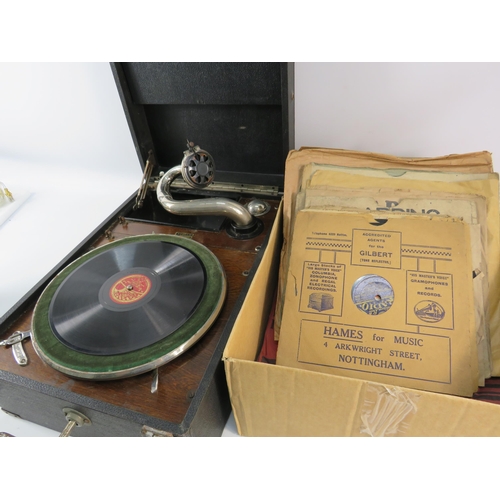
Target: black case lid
(241, 113)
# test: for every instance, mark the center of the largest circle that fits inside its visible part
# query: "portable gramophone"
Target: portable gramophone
(125, 337)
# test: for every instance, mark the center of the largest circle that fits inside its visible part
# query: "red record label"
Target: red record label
(130, 289)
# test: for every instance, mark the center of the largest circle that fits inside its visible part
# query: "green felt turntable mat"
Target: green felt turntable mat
(98, 367)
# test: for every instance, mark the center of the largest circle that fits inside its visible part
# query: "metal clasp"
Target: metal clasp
(15, 340)
(152, 432)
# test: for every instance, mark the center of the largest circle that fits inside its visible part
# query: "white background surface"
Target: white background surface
(404, 109)
(64, 139)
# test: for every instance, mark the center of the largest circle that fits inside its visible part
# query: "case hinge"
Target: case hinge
(152, 432)
(143, 188)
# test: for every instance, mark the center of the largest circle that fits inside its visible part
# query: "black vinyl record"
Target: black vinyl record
(127, 298)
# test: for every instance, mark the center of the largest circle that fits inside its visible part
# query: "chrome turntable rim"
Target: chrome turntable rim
(82, 365)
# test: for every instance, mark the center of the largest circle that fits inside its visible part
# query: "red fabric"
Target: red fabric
(490, 392)
(269, 345)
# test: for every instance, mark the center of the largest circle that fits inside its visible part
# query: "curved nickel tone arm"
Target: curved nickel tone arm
(198, 170)
(213, 206)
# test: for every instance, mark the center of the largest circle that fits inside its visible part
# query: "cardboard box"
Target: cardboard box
(270, 400)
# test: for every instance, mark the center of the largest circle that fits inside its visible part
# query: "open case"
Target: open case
(119, 379)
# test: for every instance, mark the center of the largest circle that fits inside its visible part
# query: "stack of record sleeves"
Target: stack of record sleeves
(389, 269)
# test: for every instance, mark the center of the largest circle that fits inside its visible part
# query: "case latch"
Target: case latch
(147, 431)
(16, 341)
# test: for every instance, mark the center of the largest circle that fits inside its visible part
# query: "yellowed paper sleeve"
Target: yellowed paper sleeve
(472, 209)
(485, 185)
(476, 162)
(381, 303)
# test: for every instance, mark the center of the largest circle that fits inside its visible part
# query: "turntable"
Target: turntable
(125, 338)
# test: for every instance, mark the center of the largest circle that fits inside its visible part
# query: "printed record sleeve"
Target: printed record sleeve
(470, 208)
(385, 300)
(485, 185)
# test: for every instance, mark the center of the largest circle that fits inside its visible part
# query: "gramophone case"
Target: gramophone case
(234, 122)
